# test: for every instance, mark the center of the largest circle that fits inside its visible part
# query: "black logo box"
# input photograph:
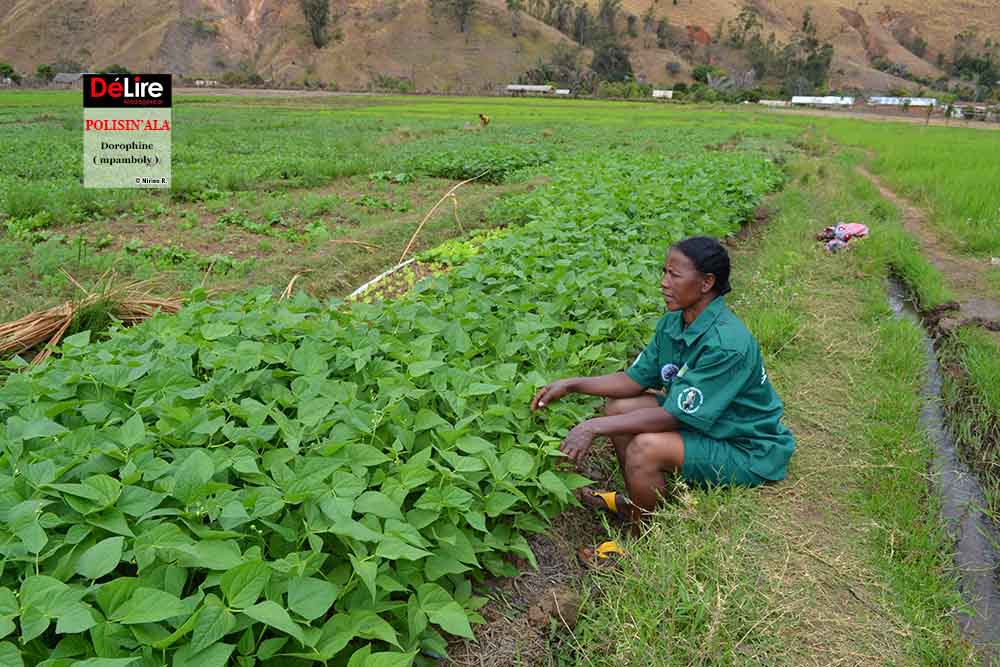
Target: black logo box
(127, 91)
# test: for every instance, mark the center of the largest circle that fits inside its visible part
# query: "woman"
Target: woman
(713, 416)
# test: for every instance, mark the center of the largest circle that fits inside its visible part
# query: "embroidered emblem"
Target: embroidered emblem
(690, 400)
(668, 373)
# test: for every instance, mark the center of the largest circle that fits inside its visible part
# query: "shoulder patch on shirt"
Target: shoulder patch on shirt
(690, 400)
(668, 373)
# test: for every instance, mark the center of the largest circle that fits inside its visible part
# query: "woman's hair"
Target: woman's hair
(708, 256)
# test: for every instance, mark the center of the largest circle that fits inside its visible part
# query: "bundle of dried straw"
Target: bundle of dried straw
(130, 303)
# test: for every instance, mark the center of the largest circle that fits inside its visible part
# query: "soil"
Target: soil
(966, 276)
(530, 614)
(527, 614)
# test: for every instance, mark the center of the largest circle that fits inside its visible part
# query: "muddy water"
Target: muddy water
(976, 538)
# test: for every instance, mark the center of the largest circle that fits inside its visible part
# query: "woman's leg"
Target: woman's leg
(619, 406)
(648, 459)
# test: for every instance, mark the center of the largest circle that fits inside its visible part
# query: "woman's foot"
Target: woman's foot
(612, 502)
(606, 554)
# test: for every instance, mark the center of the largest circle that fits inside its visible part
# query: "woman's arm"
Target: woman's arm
(615, 385)
(646, 420)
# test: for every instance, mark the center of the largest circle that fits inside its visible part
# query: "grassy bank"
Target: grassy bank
(845, 559)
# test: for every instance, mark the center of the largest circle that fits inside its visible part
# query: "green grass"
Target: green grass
(953, 172)
(973, 397)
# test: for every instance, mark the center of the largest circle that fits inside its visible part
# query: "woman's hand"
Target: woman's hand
(578, 441)
(551, 392)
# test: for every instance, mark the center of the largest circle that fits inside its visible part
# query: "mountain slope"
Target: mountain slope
(399, 38)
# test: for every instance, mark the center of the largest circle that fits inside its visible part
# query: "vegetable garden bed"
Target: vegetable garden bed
(280, 483)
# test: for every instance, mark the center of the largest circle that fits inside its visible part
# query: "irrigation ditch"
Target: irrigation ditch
(977, 538)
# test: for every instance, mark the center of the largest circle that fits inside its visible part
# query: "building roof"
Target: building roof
(827, 100)
(67, 77)
(903, 101)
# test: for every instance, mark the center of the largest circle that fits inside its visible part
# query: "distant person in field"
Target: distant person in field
(697, 400)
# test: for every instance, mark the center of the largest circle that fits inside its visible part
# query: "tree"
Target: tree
(607, 14)
(116, 69)
(515, 7)
(611, 62)
(458, 10)
(583, 25)
(648, 20)
(45, 72)
(317, 13)
(662, 35)
(747, 24)
(6, 70)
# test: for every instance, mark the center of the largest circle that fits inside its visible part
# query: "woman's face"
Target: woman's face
(682, 284)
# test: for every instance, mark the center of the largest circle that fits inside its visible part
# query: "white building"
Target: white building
(522, 89)
(902, 102)
(663, 94)
(825, 101)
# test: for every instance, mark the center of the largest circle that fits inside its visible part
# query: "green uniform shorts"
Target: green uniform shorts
(711, 462)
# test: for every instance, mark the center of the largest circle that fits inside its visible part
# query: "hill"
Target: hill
(400, 43)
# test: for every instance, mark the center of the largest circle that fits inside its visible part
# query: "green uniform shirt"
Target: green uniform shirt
(720, 388)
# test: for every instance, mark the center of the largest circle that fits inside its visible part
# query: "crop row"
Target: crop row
(259, 482)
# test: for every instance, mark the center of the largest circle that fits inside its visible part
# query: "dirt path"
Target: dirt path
(965, 276)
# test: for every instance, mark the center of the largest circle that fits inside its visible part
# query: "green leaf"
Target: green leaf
(372, 626)
(217, 330)
(390, 659)
(518, 462)
(442, 610)
(74, 617)
(360, 657)
(367, 571)
(148, 605)
(471, 444)
(419, 368)
(379, 504)
(137, 500)
(311, 598)
(214, 623)
(243, 584)
(499, 502)
(270, 613)
(216, 655)
(271, 646)
(132, 432)
(101, 559)
(441, 564)
(211, 555)
(426, 420)
(42, 428)
(10, 656)
(8, 612)
(393, 548)
(482, 389)
(192, 475)
(551, 483)
(107, 662)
